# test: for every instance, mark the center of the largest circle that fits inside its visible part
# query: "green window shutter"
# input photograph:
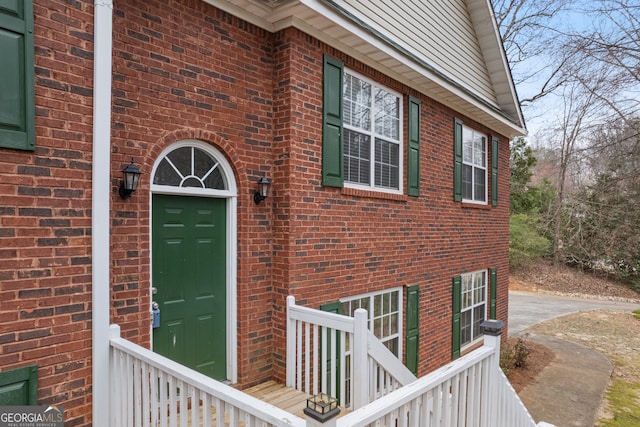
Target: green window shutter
(19, 387)
(332, 135)
(413, 328)
(457, 161)
(413, 157)
(456, 305)
(17, 105)
(331, 307)
(493, 292)
(494, 171)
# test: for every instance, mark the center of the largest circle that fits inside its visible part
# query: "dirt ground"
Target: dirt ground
(615, 334)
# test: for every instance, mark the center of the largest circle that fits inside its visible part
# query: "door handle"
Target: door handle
(155, 315)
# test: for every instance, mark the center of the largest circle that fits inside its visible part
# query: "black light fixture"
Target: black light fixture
(263, 190)
(322, 407)
(129, 183)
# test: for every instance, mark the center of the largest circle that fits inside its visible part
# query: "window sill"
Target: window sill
(373, 194)
(471, 347)
(476, 205)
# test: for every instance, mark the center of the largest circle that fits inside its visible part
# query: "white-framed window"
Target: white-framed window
(474, 166)
(385, 315)
(473, 306)
(372, 135)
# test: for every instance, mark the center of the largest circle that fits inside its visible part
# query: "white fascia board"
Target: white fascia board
(491, 41)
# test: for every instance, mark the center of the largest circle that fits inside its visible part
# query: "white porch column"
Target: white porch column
(100, 205)
(360, 362)
(492, 330)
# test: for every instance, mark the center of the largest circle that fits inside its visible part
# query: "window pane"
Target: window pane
(356, 157)
(181, 159)
(465, 327)
(394, 324)
(377, 305)
(377, 327)
(357, 102)
(479, 153)
(215, 180)
(467, 146)
(394, 301)
(387, 114)
(478, 318)
(392, 345)
(479, 184)
(166, 174)
(467, 182)
(387, 164)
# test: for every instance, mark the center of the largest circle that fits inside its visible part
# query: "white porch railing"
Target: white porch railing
(471, 391)
(150, 390)
(338, 355)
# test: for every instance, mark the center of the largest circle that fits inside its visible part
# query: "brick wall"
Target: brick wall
(185, 70)
(45, 223)
(331, 243)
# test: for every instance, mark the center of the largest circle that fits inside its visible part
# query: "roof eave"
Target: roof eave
(328, 22)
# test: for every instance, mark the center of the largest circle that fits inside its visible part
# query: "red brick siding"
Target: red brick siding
(45, 223)
(337, 245)
(185, 70)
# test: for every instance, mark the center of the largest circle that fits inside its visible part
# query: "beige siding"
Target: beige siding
(440, 32)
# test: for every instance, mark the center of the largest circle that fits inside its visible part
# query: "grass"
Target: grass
(624, 404)
(623, 397)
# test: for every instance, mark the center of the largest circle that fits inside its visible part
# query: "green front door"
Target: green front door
(189, 276)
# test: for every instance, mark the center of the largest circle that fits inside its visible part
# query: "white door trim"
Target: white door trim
(231, 196)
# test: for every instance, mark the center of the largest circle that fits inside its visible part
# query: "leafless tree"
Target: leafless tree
(529, 32)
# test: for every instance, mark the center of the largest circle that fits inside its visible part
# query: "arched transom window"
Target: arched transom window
(190, 167)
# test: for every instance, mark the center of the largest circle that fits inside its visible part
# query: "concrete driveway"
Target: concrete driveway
(527, 309)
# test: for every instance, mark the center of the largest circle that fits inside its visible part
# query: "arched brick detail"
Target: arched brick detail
(204, 136)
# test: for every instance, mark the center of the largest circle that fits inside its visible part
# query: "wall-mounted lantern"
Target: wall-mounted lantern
(130, 178)
(263, 190)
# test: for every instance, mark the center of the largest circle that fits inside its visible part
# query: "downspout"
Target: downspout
(100, 204)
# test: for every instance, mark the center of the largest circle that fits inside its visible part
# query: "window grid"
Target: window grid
(383, 310)
(474, 165)
(473, 306)
(372, 145)
(190, 167)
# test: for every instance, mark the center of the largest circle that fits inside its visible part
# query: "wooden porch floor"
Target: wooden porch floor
(282, 397)
(276, 394)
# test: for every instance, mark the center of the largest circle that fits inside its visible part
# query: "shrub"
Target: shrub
(525, 242)
(516, 357)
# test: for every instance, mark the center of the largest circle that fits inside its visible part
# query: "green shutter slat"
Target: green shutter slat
(455, 324)
(332, 134)
(457, 160)
(413, 328)
(17, 105)
(413, 158)
(494, 171)
(19, 387)
(493, 292)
